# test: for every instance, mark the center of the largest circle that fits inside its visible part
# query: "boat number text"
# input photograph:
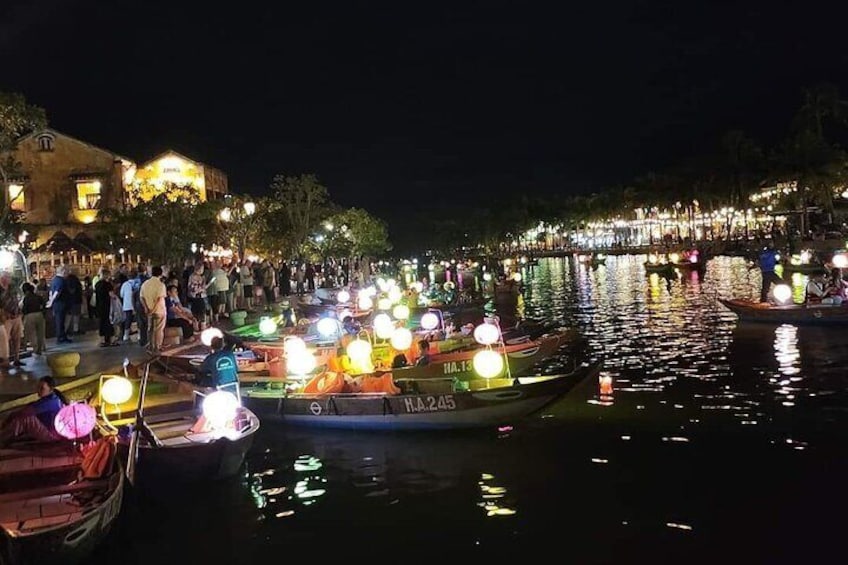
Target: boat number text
(452, 367)
(430, 403)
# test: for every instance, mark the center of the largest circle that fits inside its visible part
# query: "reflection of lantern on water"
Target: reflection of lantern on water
(605, 382)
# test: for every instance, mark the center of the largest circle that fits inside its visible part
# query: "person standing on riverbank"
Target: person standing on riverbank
(767, 261)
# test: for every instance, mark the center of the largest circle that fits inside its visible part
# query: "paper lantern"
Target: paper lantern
(402, 339)
(384, 304)
(486, 334)
(116, 390)
(782, 293)
(516, 277)
(267, 326)
(328, 327)
(359, 350)
(220, 408)
(395, 294)
(365, 302)
(488, 364)
(293, 345)
(840, 261)
(429, 321)
(343, 296)
(383, 326)
(208, 334)
(401, 312)
(75, 420)
(301, 363)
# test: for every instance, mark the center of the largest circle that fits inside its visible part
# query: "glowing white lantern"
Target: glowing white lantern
(418, 286)
(6, 258)
(693, 258)
(401, 312)
(782, 293)
(840, 261)
(383, 326)
(382, 284)
(369, 291)
(487, 277)
(365, 302)
(674, 257)
(300, 363)
(402, 339)
(429, 321)
(219, 408)
(328, 327)
(516, 277)
(805, 257)
(116, 390)
(384, 304)
(653, 259)
(359, 350)
(346, 313)
(486, 334)
(395, 294)
(208, 334)
(267, 326)
(343, 296)
(488, 364)
(293, 345)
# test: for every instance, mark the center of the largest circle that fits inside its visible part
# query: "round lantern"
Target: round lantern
(301, 363)
(402, 339)
(486, 334)
(293, 345)
(116, 390)
(328, 327)
(364, 302)
(488, 364)
(75, 420)
(782, 293)
(208, 334)
(401, 312)
(267, 326)
(429, 321)
(219, 408)
(359, 349)
(343, 296)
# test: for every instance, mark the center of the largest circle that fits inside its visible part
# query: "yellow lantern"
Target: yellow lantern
(383, 326)
(402, 339)
(359, 350)
(116, 390)
(488, 364)
(401, 312)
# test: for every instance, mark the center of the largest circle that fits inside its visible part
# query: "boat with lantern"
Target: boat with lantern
(659, 264)
(687, 260)
(805, 262)
(804, 314)
(592, 259)
(429, 404)
(204, 438)
(61, 498)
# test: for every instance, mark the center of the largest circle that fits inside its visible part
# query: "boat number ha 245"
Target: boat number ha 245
(443, 402)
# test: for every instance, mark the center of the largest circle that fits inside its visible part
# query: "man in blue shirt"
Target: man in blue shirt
(219, 368)
(767, 262)
(58, 301)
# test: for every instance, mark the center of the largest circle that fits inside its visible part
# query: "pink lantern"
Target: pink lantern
(75, 420)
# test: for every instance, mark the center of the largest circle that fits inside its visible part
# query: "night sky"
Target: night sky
(449, 101)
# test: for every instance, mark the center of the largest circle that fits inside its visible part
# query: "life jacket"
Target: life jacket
(325, 383)
(98, 457)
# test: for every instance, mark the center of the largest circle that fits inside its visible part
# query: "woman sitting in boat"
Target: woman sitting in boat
(819, 292)
(35, 421)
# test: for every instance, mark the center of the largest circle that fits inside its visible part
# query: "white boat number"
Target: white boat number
(452, 367)
(439, 403)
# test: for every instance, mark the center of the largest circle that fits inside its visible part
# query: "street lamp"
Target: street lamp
(225, 215)
(249, 208)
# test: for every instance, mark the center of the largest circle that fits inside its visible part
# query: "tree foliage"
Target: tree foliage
(302, 203)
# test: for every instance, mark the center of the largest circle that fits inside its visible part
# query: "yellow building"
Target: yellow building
(172, 168)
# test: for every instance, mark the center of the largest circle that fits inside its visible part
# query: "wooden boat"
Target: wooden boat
(803, 268)
(437, 409)
(814, 314)
(169, 446)
(592, 259)
(659, 268)
(47, 515)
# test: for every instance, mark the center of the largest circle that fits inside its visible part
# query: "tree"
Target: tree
(164, 226)
(355, 232)
(17, 118)
(304, 203)
(242, 218)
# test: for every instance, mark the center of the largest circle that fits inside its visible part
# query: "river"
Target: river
(719, 441)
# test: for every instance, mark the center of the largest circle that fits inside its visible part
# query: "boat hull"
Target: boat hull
(69, 543)
(754, 312)
(191, 462)
(449, 410)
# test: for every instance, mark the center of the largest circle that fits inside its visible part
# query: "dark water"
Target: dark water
(719, 442)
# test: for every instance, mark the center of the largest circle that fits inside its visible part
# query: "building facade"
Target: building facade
(63, 183)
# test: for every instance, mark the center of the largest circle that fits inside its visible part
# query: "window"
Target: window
(88, 195)
(16, 197)
(45, 142)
